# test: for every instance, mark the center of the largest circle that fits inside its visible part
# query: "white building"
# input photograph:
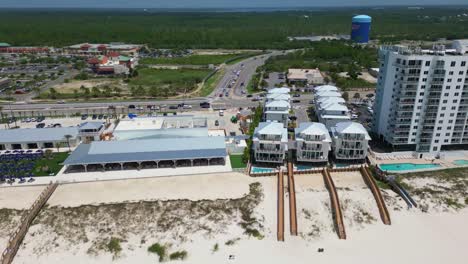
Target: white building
(422, 98)
(277, 111)
(312, 142)
(325, 88)
(305, 76)
(38, 138)
(277, 97)
(350, 141)
(330, 107)
(283, 90)
(270, 142)
(91, 131)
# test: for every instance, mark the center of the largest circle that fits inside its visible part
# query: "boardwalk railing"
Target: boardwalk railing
(16, 238)
(280, 220)
(384, 215)
(292, 200)
(335, 204)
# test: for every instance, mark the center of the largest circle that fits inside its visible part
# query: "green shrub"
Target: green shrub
(114, 245)
(158, 249)
(178, 255)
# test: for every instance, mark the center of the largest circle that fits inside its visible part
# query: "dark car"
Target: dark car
(100, 116)
(249, 95)
(296, 95)
(84, 117)
(205, 105)
(40, 125)
(173, 107)
(216, 123)
(131, 107)
(296, 101)
(94, 117)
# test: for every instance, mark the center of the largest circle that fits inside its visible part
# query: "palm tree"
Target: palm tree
(68, 137)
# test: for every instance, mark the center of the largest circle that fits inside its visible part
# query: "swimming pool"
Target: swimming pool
(407, 166)
(461, 162)
(303, 167)
(261, 170)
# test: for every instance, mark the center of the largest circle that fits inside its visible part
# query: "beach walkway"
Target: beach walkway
(280, 206)
(383, 211)
(17, 237)
(335, 204)
(292, 200)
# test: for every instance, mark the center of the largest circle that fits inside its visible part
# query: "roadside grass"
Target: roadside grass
(178, 255)
(236, 161)
(168, 82)
(211, 82)
(54, 165)
(192, 59)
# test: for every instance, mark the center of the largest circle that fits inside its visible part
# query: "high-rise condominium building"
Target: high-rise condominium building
(421, 100)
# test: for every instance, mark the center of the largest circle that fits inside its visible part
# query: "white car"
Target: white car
(187, 107)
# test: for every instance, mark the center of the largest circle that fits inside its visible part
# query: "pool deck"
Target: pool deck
(446, 161)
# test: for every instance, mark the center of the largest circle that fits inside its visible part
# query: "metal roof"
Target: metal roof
(362, 19)
(147, 150)
(31, 135)
(283, 90)
(351, 128)
(91, 125)
(279, 103)
(271, 128)
(312, 128)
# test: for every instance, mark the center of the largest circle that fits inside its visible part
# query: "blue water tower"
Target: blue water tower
(360, 28)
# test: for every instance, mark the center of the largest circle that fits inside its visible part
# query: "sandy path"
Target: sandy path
(19, 197)
(193, 187)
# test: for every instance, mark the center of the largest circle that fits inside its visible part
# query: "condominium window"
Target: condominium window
(447, 87)
(446, 140)
(442, 115)
(450, 72)
(443, 108)
(463, 63)
(457, 94)
(459, 80)
(449, 80)
(436, 141)
(426, 72)
(454, 107)
(450, 121)
(452, 64)
(444, 101)
(446, 94)
(438, 135)
(447, 134)
(452, 114)
(439, 128)
(457, 87)
(460, 73)
(428, 63)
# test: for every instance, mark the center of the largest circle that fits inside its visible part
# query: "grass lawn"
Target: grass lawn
(168, 82)
(211, 83)
(54, 164)
(191, 60)
(236, 161)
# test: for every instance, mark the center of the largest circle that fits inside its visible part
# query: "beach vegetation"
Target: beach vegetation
(159, 250)
(178, 255)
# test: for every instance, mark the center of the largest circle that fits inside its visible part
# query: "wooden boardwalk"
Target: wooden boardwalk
(17, 237)
(280, 206)
(292, 200)
(335, 204)
(384, 214)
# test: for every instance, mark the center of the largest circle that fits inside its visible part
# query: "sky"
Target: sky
(214, 3)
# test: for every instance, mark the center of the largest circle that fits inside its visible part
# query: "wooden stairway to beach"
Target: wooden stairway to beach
(17, 237)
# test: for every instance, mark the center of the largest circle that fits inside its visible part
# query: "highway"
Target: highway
(245, 69)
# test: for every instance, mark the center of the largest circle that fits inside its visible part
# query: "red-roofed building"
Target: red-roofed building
(102, 47)
(85, 46)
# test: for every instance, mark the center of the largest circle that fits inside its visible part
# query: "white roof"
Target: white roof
(272, 128)
(282, 90)
(338, 100)
(326, 88)
(284, 97)
(278, 103)
(312, 128)
(333, 107)
(351, 128)
(328, 94)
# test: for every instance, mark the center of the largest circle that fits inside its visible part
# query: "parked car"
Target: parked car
(94, 117)
(100, 116)
(131, 107)
(187, 107)
(296, 95)
(40, 125)
(84, 117)
(216, 123)
(173, 107)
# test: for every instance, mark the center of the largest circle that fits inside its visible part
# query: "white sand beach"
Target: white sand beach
(194, 213)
